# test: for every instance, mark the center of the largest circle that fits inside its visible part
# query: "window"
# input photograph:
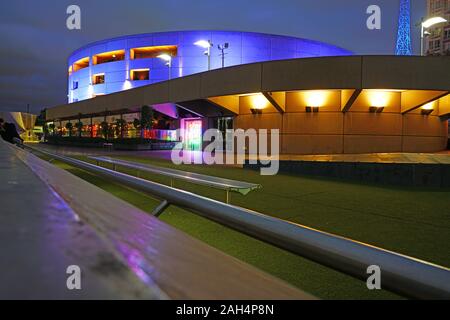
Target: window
(437, 5)
(139, 74)
(74, 85)
(447, 34)
(110, 56)
(80, 64)
(437, 44)
(446, 50)
(152, 52)
(98, 78)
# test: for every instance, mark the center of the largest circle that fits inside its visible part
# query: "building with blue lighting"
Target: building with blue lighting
(127, 62)
(321, 98)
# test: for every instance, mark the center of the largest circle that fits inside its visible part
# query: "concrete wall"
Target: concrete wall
(398, 128)
(331, 131)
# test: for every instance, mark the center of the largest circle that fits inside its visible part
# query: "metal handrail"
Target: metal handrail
(195, 178)
(401, 274)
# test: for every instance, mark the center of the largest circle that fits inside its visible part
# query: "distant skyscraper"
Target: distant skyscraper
(403, 47)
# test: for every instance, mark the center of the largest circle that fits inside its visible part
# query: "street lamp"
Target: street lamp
(206, 44)
(168, 59)
(427, 24)
(222, 48)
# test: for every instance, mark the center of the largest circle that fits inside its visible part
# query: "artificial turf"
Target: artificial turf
(411, 221)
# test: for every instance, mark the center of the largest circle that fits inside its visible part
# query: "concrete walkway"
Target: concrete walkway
(40, 236)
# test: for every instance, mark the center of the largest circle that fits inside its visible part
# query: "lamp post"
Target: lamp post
(425, 25)
(222, 48)
(168, 59)
(206, 44)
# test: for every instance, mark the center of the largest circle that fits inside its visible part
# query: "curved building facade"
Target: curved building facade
(127, 62)
(326, 105)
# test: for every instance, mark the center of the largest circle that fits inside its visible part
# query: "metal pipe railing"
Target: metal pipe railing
(401, 274)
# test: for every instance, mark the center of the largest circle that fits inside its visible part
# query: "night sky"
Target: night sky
(35, 42)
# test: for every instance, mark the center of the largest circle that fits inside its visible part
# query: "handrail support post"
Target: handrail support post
(160, 208)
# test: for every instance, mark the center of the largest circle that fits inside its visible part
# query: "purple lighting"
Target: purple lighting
(185, 55)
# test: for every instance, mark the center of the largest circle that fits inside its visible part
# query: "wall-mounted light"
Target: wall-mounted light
(426, 112)
(310, 109)
(168, 59)
(427, 109)
(376, 109)
(256, 111)
(378, 99)
(316, 98)
(259, 101)
(127, 85)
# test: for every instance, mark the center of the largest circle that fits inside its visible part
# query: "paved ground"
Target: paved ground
(40, 237)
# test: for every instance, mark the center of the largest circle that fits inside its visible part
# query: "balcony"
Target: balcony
(110, 56)
(79, 64)
(152, 52)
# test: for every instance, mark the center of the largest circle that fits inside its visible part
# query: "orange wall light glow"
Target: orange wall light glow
(259, 101)
(378, 99)
(428, 106)
(316, 98)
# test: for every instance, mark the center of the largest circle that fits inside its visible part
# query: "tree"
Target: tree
(45, 129)
(40, 120)
(146, 119)
(105, 129)
(52, 127)
(120, 125)
(69, 127)
(79, 126)
(137, 125)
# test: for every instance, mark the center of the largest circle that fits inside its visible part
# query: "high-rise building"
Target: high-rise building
(438, 39)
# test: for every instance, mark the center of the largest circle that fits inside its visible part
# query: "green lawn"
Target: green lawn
(411, 221)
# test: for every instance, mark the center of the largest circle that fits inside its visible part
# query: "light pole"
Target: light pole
(168, 59)
(222, 48)
(425, 25)
(206, 44)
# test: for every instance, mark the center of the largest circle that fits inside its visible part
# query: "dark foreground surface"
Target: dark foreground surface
(41, 237)
(405, 219)
(122, 252)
